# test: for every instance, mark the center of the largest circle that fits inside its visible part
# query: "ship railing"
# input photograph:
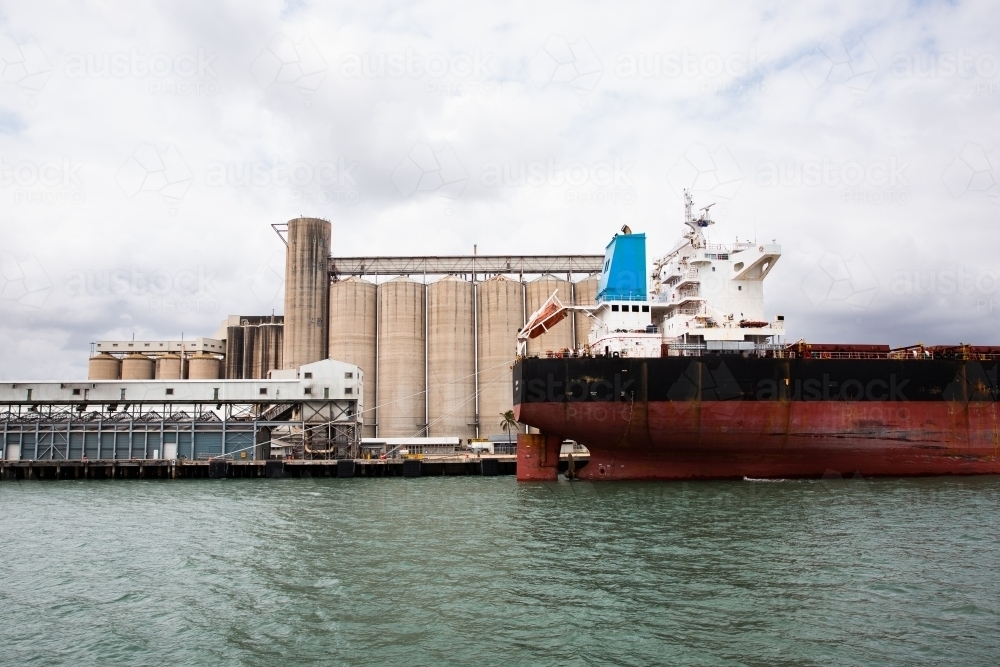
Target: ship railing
(759, 349)
(684, 311)
(630, 297)
(791, 354)
(928, 354)
(721, 247)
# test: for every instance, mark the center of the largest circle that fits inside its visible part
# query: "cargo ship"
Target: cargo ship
(683, 377)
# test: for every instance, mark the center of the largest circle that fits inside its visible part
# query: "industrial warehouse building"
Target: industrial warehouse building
(434, 336)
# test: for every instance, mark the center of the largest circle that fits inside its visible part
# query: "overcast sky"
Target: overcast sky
(147, 148)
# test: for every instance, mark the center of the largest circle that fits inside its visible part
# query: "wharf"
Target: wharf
(76, 469)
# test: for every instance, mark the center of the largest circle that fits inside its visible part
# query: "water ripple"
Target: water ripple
(489, 572)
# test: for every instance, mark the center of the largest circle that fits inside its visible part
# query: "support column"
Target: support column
(538, 457)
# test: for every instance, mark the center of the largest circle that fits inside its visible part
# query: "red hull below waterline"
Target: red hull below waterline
(731, 439)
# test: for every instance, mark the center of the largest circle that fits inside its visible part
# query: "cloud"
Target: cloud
(277, 102)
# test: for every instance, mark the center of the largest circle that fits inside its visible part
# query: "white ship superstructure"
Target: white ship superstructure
(712, 295)
(699, 296)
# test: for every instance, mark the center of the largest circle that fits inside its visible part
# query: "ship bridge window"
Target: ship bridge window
(614, 308)
(635, 309)
(645, 309)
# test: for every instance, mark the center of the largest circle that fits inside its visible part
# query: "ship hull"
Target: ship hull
(678, 418)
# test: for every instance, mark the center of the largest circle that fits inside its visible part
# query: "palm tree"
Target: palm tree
(508, 423)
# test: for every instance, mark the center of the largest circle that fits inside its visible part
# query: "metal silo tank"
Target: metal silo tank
(353, 302)
(560, 336)
(104, 366)
(137, 366)
(584, 294)
(307, 290)
(451, 358)
(203, 366)
(501, 315)
(400, 401)
(168, 367)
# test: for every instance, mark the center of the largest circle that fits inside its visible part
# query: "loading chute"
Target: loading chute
(549, 314)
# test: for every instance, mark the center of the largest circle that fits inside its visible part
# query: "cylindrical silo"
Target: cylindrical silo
(451, 358)
(501, 315)
(267, 349)
(203, 366)
(307, 287)
(137, 366)
(168, 367)
(104, 366)
(234, 352)
(400, 400)
(560, 336)
(585, 294)
(352, 336)
(251, 335)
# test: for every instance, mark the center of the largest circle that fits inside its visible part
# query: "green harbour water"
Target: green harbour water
(486, 571)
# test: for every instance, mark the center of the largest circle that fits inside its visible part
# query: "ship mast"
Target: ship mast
(695, 236)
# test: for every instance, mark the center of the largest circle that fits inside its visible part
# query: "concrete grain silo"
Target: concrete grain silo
(268, 349)
(401, 406)
(353, 304)
(104, 366)
(137, 366)
(168, 367)
(307, 286)
(501, 315)
(584, 294)
(203, 366)
(451, 358)
(250, 352)
(561, 335)
(234, 352)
